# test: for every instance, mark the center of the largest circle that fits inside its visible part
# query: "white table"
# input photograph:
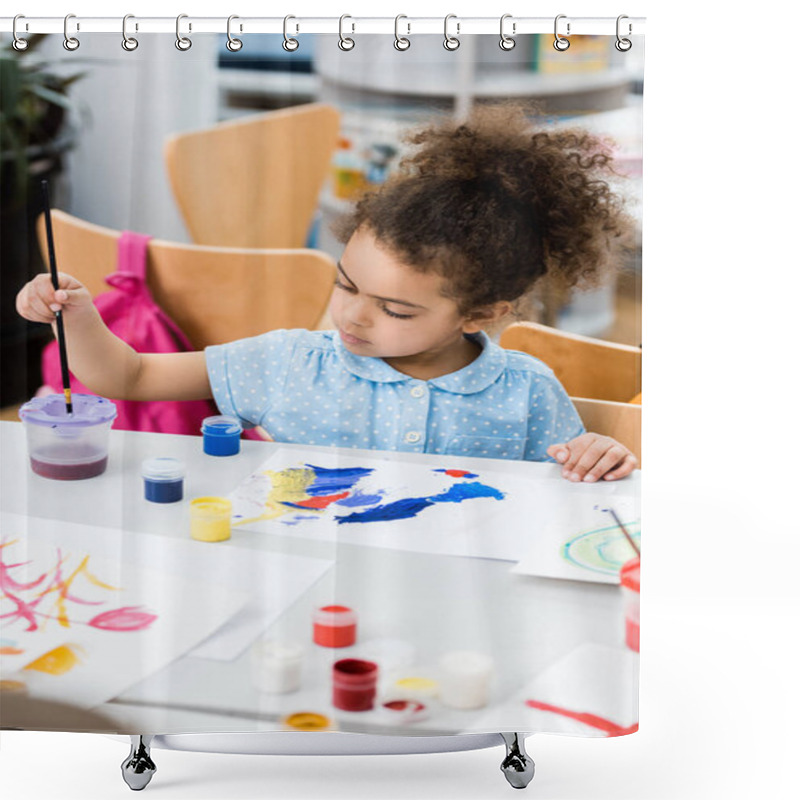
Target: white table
(534, 621)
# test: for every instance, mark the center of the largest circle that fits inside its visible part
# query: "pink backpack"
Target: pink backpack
(131, 313)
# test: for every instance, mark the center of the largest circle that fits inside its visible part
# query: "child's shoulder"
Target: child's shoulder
(524, 362)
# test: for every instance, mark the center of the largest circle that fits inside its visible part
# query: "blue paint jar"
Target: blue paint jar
(163, 479)
(221, 435)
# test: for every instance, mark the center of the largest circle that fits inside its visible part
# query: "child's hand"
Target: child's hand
(38, 300)
(590, 456)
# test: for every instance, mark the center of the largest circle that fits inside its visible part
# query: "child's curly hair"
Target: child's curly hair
(494, 203)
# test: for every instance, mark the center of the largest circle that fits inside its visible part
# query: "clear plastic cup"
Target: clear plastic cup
(68, 447)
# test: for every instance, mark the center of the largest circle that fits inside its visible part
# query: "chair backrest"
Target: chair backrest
(214, 294)
(621, 421)
(585, 366)
(253, 182)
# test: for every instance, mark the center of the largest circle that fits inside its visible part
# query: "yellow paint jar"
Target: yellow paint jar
(210, 519)
(306, 721)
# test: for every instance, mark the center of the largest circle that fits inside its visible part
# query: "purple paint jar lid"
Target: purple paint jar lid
(51, 411)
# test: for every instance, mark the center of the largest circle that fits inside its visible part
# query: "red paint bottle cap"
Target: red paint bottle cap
(629, 574)
(334, 616)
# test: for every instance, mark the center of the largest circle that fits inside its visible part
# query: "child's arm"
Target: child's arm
(590, 456)
(103, 362)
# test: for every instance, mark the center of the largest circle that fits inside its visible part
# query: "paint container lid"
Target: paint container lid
(271, 653)
(163, 468)
(412, 687)
(51, 410)
(307, 721)
(403, 710)
(221, 425)
(466, 663)
(334, 616)
(629, 574)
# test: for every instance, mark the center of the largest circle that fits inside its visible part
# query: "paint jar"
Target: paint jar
(210, 519)
(335, 626)
(466, 676)
(414, 687)
(68, 447)
(306, 721)
(276, 667)
(629, 578)
(163, 479)
(355, 684)
(221, 435)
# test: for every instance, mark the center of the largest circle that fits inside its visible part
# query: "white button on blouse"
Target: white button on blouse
(412, 436)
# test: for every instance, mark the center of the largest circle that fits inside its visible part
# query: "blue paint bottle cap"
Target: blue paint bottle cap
(162, 468)
(221, 425)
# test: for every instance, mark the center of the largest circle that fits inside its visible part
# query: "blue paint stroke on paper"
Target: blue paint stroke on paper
(411, 506)
(331, 481)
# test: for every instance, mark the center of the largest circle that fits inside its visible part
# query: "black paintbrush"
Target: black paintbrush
(62, 342)
(624, 530)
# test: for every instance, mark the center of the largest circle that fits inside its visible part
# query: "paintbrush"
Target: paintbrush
(62, 342)
(624, 530)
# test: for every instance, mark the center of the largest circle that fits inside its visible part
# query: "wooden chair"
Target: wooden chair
(214, 294)
(586, 367)
(253, 182)
(622, 421)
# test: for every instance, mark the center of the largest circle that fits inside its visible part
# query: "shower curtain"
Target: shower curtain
(384, 589)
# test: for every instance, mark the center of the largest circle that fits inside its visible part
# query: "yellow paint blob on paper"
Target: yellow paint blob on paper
(8, 685)
(287, 486)
(58, 661)
(210, 519)
(416, 687)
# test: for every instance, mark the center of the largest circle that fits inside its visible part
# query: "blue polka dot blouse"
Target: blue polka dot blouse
(306, 387)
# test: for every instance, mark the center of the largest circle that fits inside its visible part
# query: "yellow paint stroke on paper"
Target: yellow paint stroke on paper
(288, 486)
(62, 589)
(57, 661)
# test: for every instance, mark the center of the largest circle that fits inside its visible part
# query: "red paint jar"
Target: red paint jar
(335, 626)
(629, 578)
(354, 684)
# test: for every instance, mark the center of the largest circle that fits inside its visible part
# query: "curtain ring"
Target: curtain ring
(506, 42)
(345, 42)
(128, 42)
(183, 43)
(451, 43)
(233, 44)
(400, 42)
(560, 43)
(70, 42)
(19, 44)
(623, 45)
(289, 44)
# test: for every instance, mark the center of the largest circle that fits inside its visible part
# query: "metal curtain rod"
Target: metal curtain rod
(386, 25)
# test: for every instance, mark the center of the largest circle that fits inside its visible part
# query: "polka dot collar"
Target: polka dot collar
(475, 377)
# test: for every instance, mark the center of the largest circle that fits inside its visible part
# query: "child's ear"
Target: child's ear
(479, 318)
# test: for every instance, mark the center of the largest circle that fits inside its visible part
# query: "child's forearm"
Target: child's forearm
(100, 360)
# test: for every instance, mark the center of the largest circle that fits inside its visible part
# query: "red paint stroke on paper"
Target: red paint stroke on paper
(611, 728)
(128, 618)
(321, 502)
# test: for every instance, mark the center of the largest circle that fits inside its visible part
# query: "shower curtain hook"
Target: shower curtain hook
(289, 44)
(451, 42)
(71, 43)
(128, 42)
(19, 44)
(506, 42)
(623, 45)
(561, 44)
(233, 44)
(400, 42)
(183, 43)
(345, 42)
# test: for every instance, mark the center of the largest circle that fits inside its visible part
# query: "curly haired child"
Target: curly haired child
(478, 212)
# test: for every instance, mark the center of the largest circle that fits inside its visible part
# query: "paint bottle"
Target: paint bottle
(335, 626)
(221, 435)
(210, 519)
(629, 579)
(355, 684)
(276, 666)
(466, 676)
(163, 479)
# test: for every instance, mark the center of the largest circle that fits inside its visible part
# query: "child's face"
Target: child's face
(385, 309)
